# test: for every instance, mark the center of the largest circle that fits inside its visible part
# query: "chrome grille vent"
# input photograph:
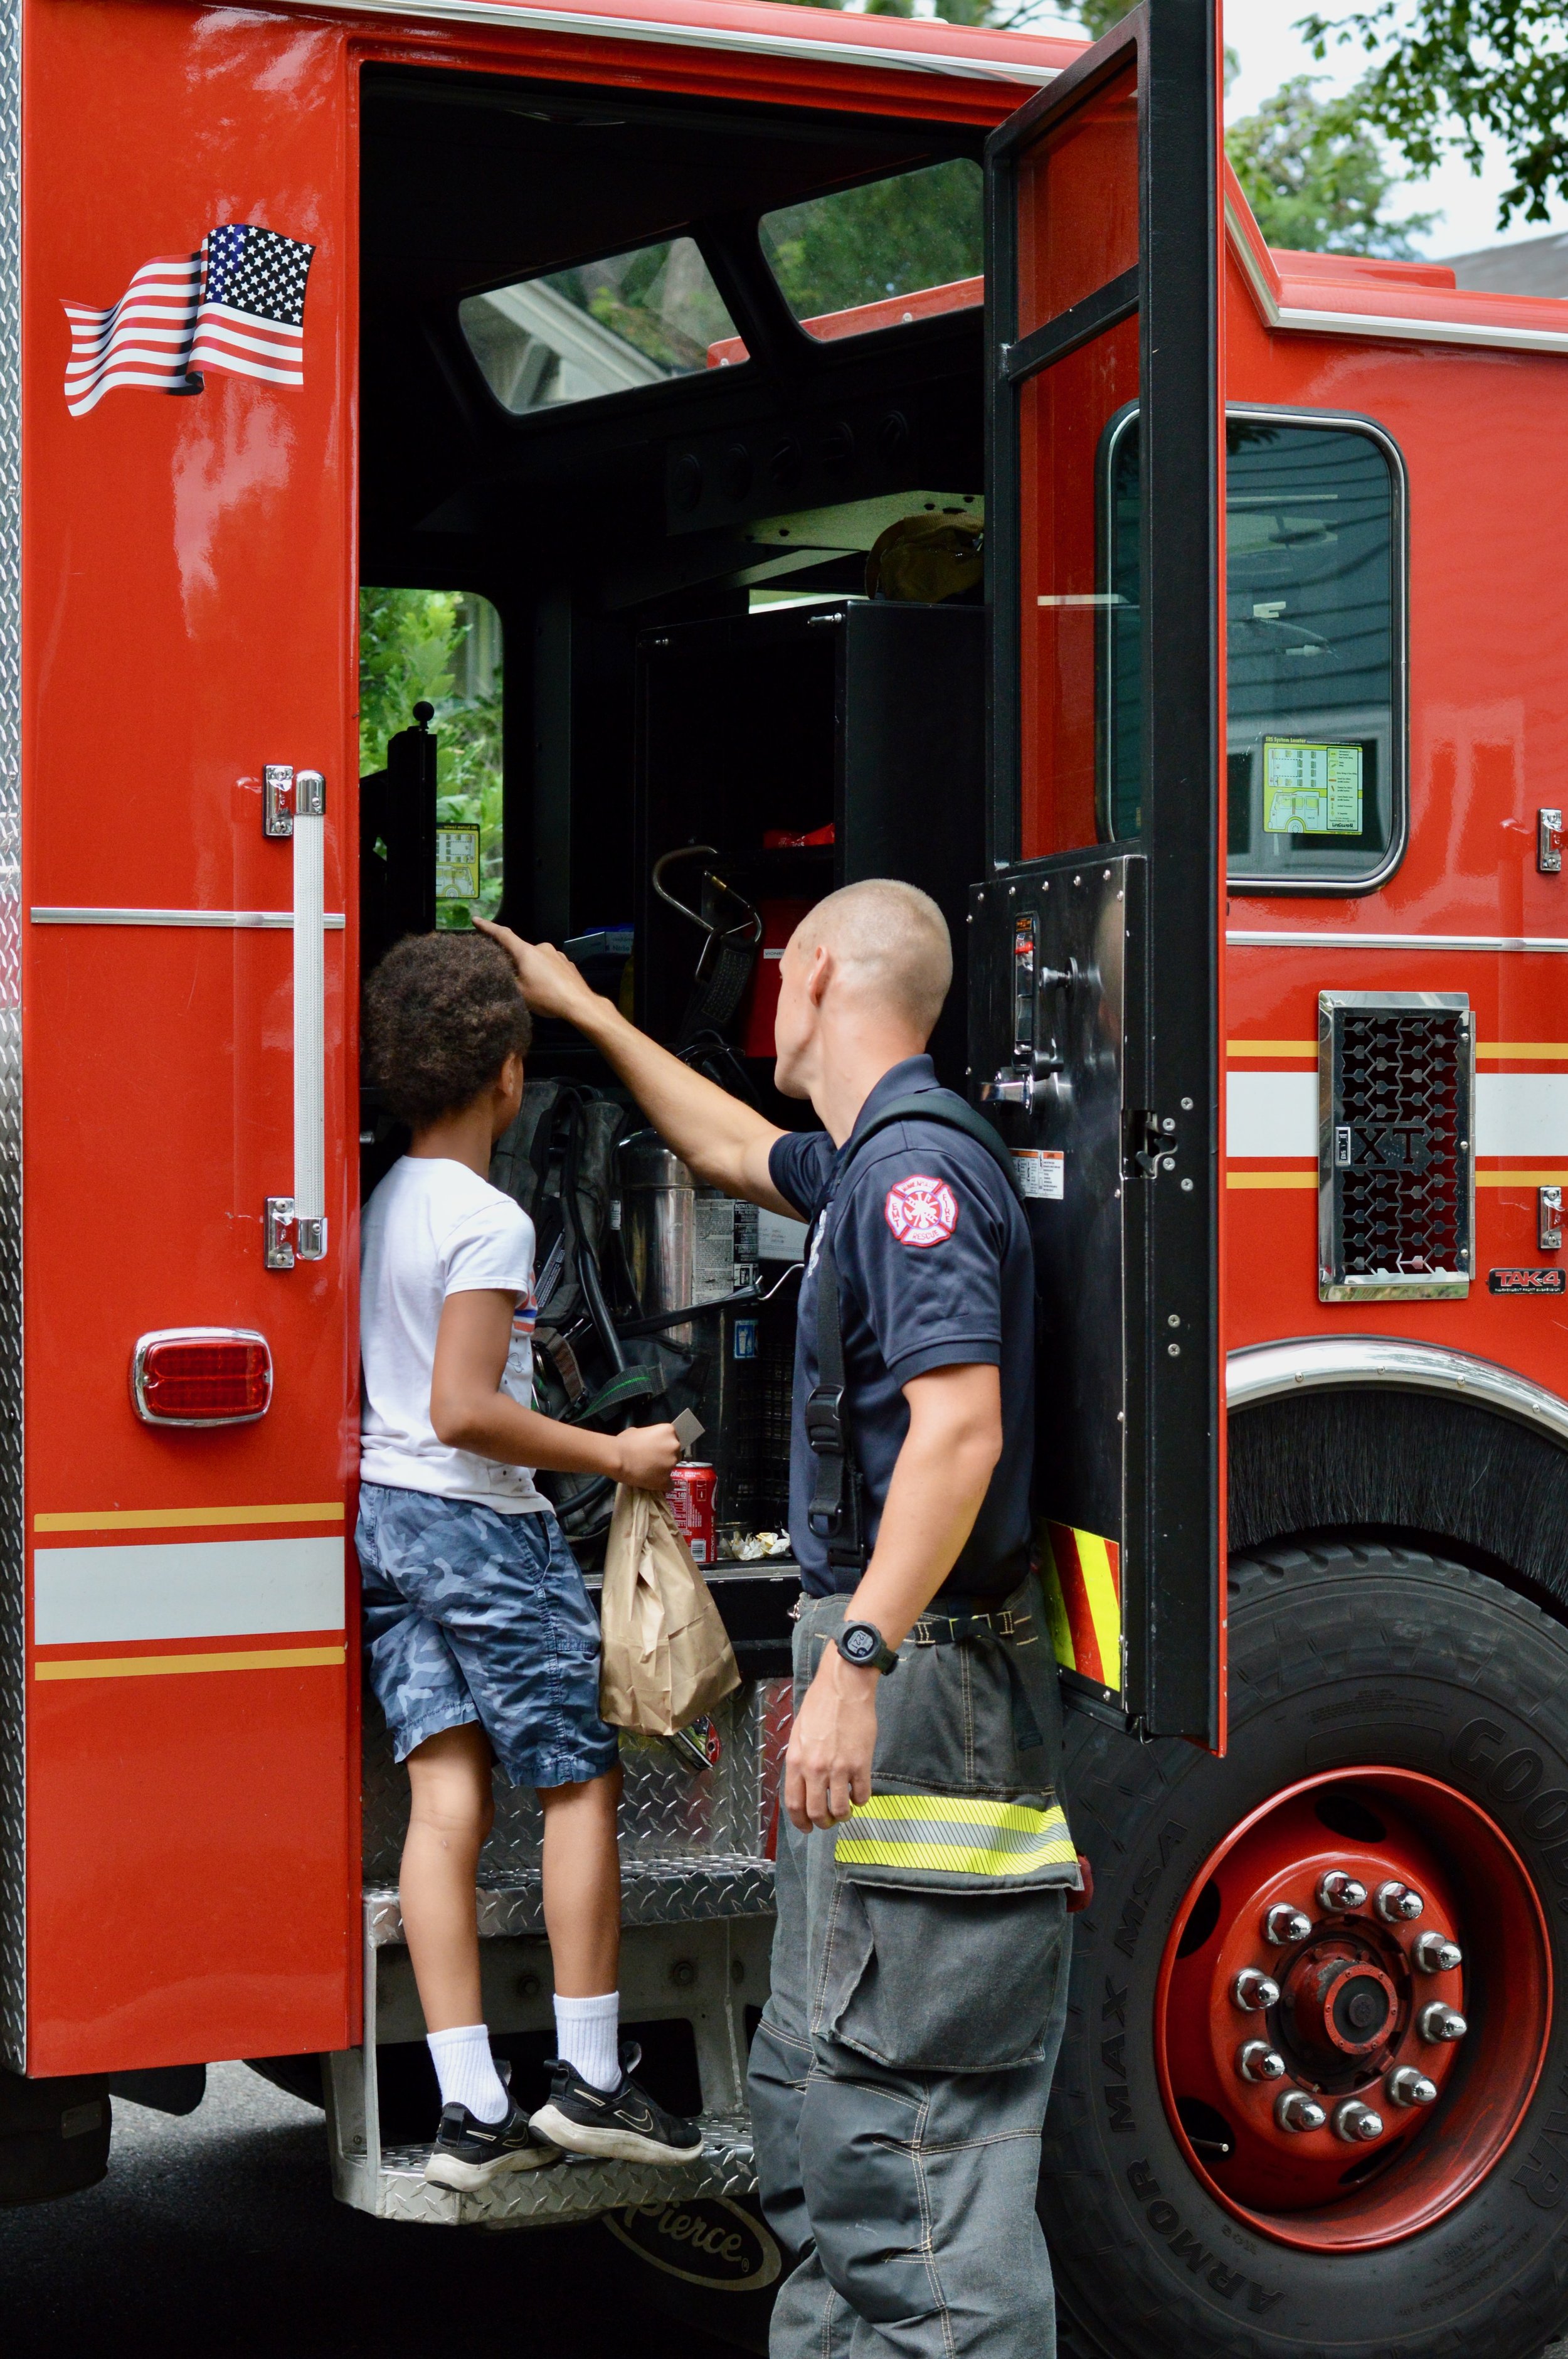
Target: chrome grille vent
(1395, 1171)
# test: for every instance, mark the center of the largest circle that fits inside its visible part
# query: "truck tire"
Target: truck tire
(1404, 1722)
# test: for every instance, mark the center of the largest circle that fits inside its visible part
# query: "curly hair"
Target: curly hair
(442, 1013)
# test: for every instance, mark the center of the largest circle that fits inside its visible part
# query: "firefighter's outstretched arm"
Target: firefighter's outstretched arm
(938, 1483)
(725, 1143)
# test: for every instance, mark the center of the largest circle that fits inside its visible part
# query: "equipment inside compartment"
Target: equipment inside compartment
(733, 653)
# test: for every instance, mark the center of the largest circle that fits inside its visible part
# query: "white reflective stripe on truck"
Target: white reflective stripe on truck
(186, 1589)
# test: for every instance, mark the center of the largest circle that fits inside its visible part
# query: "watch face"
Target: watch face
(862, 1642)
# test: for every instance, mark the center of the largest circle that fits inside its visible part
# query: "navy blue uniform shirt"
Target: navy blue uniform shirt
(934, 1271)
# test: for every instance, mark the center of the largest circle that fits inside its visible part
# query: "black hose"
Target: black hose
(582, 1255)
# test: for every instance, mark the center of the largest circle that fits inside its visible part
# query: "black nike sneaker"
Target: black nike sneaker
(468, 2153)
(620, 2124)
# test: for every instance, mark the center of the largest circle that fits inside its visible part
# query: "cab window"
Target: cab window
(875, 251)
(441, 649)
(603, 327)
(1314, 650)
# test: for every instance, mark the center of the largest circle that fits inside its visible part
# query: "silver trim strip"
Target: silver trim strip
(269, 920)
(1382, 324)
(1263, 1371)
(1349, 938)
(511, 17)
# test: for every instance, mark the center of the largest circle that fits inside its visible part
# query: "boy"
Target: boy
(482, 1646)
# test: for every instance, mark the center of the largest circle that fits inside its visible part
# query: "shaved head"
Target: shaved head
(890, 944)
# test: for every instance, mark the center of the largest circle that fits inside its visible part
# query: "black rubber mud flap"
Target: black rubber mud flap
(1343, 1655)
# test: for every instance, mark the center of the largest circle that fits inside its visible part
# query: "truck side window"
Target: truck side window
(1314, 625)
(438, 650)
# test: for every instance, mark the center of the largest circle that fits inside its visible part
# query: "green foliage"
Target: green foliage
(1448, 71)
(1098, 16)
(859, 246)
(412, 646)
(1315, 175)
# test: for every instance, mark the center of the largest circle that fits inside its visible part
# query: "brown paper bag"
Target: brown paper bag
(667, 1657)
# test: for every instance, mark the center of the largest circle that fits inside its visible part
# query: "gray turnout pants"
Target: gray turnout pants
(900, 2073)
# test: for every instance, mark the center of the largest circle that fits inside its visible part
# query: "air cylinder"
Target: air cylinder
(686, 1244)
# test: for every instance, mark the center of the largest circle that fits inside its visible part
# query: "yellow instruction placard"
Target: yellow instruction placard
(1311, 788)
(457, 863)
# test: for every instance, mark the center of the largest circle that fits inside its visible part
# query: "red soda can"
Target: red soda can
(691, 1504)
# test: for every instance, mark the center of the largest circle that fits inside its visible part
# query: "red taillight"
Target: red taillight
(202, 1376)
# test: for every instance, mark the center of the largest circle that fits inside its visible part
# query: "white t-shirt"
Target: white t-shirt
(435, 1228)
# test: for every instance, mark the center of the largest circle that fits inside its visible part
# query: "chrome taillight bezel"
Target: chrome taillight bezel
(144, 1345)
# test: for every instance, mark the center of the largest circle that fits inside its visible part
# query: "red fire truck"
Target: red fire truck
(649, 321)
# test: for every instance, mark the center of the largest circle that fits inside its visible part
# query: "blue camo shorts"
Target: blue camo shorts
(472, 1615)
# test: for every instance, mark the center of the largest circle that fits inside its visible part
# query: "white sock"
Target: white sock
(466, 2070)
(588, 2038)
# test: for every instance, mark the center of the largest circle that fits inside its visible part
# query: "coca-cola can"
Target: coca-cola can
(691, 1504)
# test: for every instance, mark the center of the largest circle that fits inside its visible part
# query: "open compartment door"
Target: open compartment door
(1095, 951)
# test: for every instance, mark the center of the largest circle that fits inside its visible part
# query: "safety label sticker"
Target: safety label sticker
(921, 1210)
(1041, 1172)
(457, 863)
(1536, 1280)
(1311, 789)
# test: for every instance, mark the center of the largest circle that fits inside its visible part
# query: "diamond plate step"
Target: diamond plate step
(565, 2191)
(676, 1891)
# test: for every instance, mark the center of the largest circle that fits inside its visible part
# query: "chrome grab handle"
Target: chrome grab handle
(296, 1226)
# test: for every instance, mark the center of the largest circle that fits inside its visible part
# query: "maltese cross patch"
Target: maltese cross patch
(921, 1211)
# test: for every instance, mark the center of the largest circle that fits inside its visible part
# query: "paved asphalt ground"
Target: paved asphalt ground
(216, 2237)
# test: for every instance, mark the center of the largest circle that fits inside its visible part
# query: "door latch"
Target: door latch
(1149, 1143)
(290, 1239)
(285, 793)
(1549, 1219)
(1548, 842)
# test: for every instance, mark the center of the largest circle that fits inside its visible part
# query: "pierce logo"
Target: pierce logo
(706, 2239)
(922, 1210)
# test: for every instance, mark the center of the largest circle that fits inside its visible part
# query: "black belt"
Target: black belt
(997, 1627)
(973, 1622)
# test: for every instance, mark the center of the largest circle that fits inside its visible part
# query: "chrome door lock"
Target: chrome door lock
(285, 793)
(1549, 1220)
(290, 1239)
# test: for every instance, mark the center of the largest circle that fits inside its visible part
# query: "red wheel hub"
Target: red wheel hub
(1338, 2075)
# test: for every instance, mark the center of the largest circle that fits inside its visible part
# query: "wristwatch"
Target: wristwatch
(862, 1644)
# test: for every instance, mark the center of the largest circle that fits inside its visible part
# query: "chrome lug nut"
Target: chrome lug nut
(1253, 1990)
(1337, 1890)
(1256, 2061)
(1434, 1953)
(1295, 2111)
(1282, 1925)
(1409, 2087)
(1437, 2023)
(1396, 1904)
(1356, 2123)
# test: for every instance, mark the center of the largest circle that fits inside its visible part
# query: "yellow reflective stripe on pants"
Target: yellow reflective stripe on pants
(929, 1830)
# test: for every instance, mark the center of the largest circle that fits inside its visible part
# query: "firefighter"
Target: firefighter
(900, 2074)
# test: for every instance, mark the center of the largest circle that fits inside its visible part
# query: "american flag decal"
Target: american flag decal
(238, 305)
